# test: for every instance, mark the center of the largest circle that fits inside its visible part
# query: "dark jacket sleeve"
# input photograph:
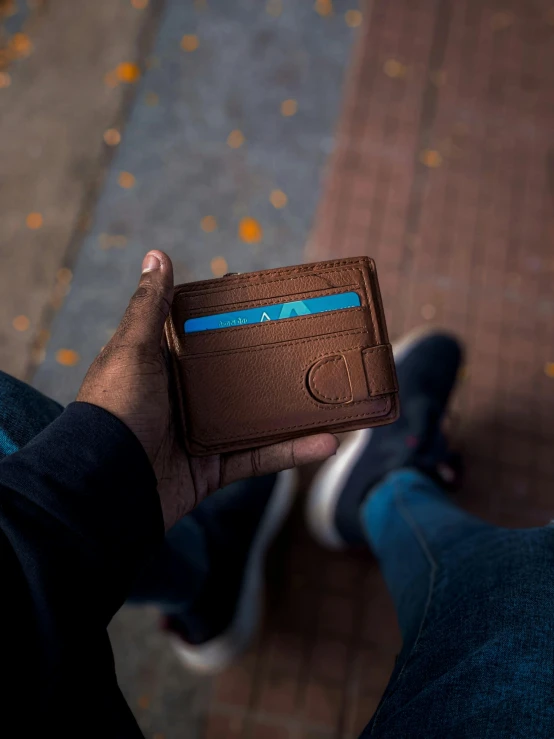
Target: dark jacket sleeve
(79, 517)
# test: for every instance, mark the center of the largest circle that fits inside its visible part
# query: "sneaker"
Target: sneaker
(427, 364)
(240, 522)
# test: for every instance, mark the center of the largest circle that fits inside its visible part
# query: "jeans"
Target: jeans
(475, 602)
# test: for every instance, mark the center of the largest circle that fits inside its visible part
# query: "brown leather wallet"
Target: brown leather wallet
(252, 385)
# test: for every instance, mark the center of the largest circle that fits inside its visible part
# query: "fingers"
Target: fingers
(277, 457)
(148, 309)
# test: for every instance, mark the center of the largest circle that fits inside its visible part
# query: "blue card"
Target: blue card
(276, 312)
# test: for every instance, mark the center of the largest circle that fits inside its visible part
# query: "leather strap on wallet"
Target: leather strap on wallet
(241, 386)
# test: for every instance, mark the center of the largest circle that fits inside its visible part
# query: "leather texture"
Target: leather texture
(252, 385)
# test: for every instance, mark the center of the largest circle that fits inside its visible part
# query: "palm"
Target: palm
(130, 379)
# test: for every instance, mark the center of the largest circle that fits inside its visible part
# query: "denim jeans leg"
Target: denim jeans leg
(475, 603)
(24, 413)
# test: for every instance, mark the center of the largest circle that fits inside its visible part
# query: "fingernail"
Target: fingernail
(150, 263)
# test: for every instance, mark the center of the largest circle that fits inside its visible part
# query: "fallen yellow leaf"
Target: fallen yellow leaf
(34, 221)
(323, 7)
(112, 137)
(64, 275)
(395, 69)
(431, 158)
(219, 266)
(189, 42)
(67, 357)
(250, 231)
(353, 18)
(144, 702)
(289, 107)
(208, 224)
(126, 180)
(21, 323)
(20, 45)
(278, 199)
(274, 7)
(235, 139)
(128, 72)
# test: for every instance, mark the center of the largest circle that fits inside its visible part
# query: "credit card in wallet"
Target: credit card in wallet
(309, 306)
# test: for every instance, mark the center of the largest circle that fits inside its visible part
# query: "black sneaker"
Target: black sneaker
(240, 523)
(427, 364)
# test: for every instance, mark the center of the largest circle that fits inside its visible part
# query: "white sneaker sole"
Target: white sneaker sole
(329, 482)
(215, 655)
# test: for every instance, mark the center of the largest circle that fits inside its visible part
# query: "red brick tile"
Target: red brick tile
(322, 704)
(480, 267)
(219, 726)
(263, 730)
(298, 611)
(361, 714)
(373, 672)
(330, 660)
(374, 669)
(379, 623)
(545, 460)
(234, 686)
(286, 652)
(336, 615)
(278, 694)
(344, 574)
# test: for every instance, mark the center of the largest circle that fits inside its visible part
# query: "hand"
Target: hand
(129, 378)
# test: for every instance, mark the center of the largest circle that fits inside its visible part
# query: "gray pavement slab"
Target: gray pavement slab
(54, 109)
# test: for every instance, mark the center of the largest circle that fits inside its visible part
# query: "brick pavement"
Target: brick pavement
(444, 173)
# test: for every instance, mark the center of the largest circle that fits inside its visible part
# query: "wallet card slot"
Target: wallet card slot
(290, 286)
(273, 332)
(272, 300)
(237, 396)
(285, 275)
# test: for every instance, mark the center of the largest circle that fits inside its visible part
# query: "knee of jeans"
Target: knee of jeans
(512, 570)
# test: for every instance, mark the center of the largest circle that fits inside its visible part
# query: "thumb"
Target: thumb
(148, 309)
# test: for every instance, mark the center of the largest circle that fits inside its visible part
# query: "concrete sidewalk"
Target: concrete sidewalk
(56, 105)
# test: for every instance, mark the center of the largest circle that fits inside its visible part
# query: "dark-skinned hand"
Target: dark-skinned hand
(129, 378)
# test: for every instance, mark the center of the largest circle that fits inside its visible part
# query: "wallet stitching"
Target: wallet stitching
(301, 425)
(278, 298)
(322, 356)
(225, 288)
(256, 325)
(294, 271)
(381, 389)
(277, 344)
(321, 394)
(376, 334)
